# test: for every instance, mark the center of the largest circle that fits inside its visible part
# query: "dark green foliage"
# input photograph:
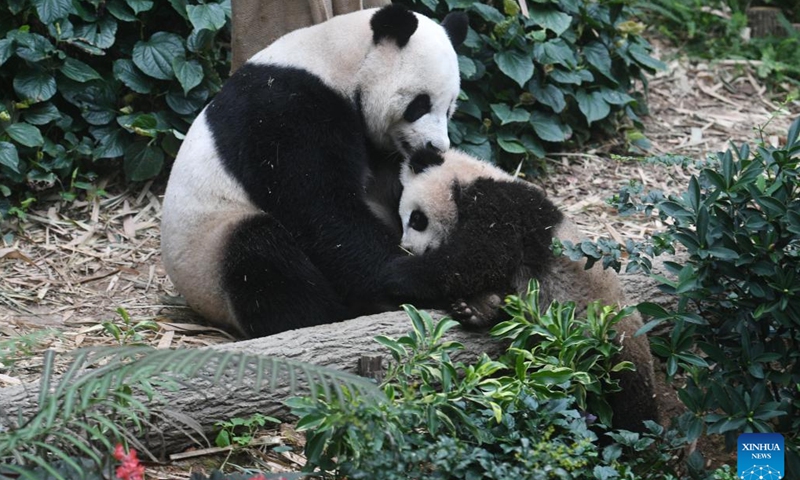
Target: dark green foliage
(736, 333)
(531, 84)
(85, 82)
(524, 416)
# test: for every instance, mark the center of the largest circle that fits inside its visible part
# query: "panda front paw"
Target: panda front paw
(481, 311)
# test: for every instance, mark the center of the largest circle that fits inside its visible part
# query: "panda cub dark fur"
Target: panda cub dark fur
(454, 203)
(276, 215)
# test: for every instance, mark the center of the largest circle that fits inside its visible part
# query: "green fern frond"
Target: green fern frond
(106, 396)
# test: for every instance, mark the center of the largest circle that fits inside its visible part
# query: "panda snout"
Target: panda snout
(432, 147)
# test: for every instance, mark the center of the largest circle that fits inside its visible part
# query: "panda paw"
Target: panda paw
(481, 311)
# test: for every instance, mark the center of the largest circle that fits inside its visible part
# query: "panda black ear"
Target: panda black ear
(456, 25)
(393, 21)
(424, 158)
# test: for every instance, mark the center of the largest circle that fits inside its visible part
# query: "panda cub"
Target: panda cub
(276, 211)
(454, 203)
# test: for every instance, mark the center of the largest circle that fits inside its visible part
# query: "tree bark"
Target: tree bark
(339, 346)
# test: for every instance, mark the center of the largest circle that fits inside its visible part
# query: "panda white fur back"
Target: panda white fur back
(269, 219)
(453, 203)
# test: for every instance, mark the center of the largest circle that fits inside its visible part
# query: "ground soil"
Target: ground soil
(69, 266)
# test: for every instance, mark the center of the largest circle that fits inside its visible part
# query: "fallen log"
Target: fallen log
(341, 346)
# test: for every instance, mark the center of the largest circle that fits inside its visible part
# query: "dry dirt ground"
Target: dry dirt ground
(69, 266)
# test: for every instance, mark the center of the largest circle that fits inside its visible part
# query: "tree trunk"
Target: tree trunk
(341, 346)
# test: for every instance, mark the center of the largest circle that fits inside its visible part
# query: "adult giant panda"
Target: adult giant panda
(269, 219)
(469, 218)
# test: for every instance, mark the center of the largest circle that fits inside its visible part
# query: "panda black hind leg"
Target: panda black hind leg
(271, 284)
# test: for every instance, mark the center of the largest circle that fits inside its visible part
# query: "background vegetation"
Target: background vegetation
(89, 86)
(587, 76)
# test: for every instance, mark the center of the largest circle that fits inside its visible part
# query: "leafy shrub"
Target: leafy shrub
(736, 333)
(521, 416)
(529, 84)
(697, 26)
(83, 82)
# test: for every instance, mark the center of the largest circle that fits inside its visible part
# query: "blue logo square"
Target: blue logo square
(760, 456)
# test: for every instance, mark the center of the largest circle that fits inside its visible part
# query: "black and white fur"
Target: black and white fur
(454, 203)
(269, 219)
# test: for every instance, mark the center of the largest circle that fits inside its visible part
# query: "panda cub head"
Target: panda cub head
(431, 181)
(409, 82)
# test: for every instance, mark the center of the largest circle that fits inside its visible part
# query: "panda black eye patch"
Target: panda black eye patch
(418, 221)
(417, 108)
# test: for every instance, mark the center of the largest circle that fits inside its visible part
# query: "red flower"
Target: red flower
(130, 468)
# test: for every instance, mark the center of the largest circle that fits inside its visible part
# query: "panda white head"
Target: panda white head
(431, 181)
(409, 81)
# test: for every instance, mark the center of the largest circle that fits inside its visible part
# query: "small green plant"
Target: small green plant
(129, 332)
(515, 417)
(735, 334)
(563, 73)
(240, 431)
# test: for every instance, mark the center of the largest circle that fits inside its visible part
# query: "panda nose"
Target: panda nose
(431, 146)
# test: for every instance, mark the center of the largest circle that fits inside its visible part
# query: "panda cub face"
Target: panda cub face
(408, 86)
(428, 207)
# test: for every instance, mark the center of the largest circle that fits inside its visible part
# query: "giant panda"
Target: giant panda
(455, 207)
(279, 209)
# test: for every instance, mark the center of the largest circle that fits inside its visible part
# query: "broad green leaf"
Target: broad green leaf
(180, 7)
(792, 137)
(200, 40)
(516, 65)
(615, 97)
(511, 146)
(189, 73)
(121, 10)
(488, 13)
(592, 105)
(113, 142)
(209, 16)
(139, 6)
(549, 127)
(96, 101)
(142, 161)
(52, 10)
(467, 67)
(597, 55)
(126, 72)
(100, 34)
(481, 150)
(507, 115)
(61, 30)
(509, 142)
(35, 85)
(41, 114)
(25, 134)
(644, 59)
(574, 77)
(155, 56)
(33, 47)
(187, 104)
(555, 51)
(549, 95)
(9, 156)
(6, 50)
(532, 145)
(79, 71)
(551, 18)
